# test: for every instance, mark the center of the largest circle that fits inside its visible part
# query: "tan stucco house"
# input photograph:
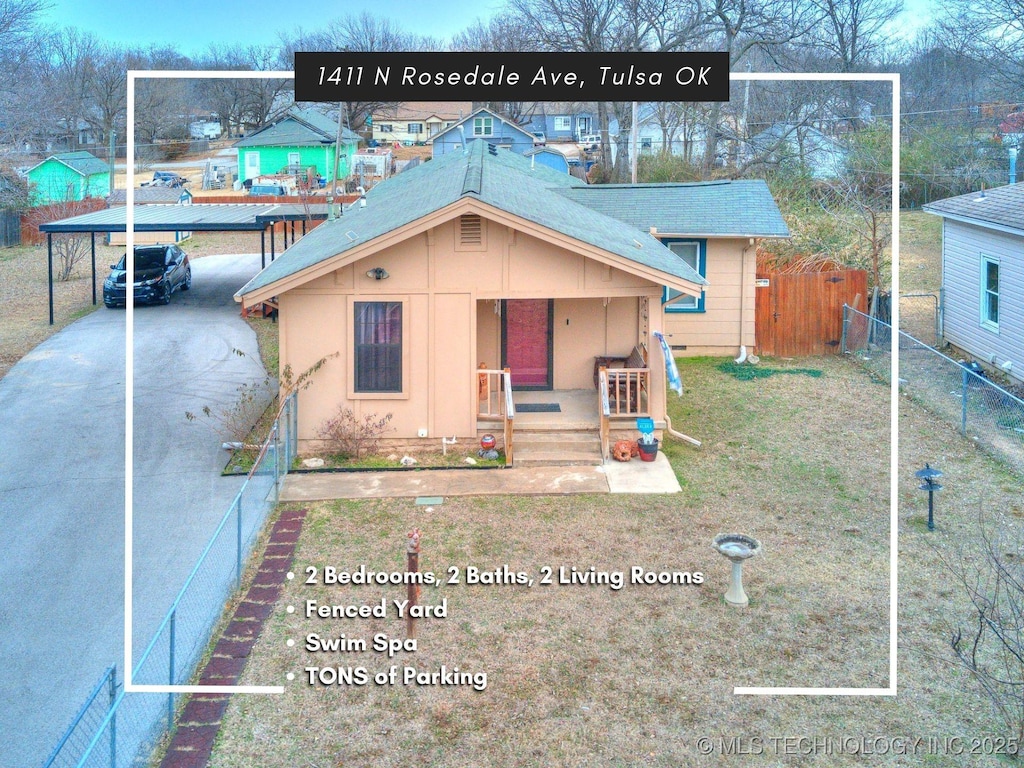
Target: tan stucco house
(482, 261)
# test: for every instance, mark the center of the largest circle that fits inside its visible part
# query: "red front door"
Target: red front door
(526, 341)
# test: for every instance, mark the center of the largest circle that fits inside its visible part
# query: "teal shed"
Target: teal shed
(300, 143)
(68, 176)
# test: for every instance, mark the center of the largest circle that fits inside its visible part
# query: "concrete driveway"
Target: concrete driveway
(62, 491)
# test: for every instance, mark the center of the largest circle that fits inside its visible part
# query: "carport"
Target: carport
(198, 217)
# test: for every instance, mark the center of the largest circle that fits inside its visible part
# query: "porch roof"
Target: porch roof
(499, 178)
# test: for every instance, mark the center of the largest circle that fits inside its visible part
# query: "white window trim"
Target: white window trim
(986, 322)
(486, 126)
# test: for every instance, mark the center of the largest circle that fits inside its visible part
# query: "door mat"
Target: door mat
(539, 408)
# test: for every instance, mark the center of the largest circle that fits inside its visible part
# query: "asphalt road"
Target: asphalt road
(62, 460)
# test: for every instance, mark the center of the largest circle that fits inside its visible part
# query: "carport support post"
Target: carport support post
(92, 237)
(263, 248)
(49, 269)
(271, 242)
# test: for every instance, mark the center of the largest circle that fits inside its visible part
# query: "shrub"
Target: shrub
(349, 436)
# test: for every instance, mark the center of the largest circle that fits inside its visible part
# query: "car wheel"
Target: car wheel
(166, 297)
(188, 280)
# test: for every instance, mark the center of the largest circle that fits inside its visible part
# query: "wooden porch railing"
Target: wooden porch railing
(602, 377)
(628, 390)
(494, 401)
(509, 420)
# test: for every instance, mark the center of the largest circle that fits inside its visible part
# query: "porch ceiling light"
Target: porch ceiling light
(378, 273)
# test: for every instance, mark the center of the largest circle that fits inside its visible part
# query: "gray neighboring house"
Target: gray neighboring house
(983, 275)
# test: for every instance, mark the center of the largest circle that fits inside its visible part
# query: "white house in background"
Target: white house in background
(804, 146)
(983, 275)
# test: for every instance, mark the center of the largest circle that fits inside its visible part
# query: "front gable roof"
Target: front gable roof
(496, 183)
(299, 128)
(488, 113)
(1001, 208)
(82, 163)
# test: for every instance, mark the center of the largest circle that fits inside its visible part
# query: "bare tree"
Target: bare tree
(990, 645)
(853, 33)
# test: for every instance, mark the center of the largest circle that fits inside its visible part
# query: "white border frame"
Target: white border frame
(894, 363)
(130, 687)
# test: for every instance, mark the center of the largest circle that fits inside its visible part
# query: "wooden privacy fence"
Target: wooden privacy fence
(44, 214)
(802, 314)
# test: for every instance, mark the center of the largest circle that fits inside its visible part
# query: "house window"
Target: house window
(646, 145)
(385, 128)
(694, 253)
(378, 346)
(415, 128)
(990, 292)
(563, 123)
(483, 126)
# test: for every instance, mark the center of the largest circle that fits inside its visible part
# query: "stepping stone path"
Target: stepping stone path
(200, 720)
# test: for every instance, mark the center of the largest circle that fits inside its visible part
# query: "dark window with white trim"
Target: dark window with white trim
(378, 347)
(694, 253)
(990, 292)
(483, 126)
(415, 128)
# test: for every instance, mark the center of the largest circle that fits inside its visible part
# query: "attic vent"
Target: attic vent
(471, 230)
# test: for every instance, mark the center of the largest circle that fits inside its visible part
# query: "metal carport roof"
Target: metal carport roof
(197, 217)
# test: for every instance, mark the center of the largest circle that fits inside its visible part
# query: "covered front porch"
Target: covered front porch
(556, 427)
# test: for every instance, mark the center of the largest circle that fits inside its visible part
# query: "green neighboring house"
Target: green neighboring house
(68, 176)
(300, 140)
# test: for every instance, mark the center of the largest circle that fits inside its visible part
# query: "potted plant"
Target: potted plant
(648, 446)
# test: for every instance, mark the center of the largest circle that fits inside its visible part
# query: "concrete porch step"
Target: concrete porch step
(557, 448)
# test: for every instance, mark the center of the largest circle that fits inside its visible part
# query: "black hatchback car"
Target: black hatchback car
(160, 270)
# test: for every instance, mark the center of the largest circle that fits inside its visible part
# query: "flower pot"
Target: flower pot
(648, 451)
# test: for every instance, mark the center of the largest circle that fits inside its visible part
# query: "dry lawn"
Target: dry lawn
(582, 675)
(23, 288)
(920, 252)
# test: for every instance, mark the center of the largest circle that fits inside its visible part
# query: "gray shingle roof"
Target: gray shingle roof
(82, 162)
(1000, 208)
(148, 195)
(742, 208)
(505, 181)
(299, 128)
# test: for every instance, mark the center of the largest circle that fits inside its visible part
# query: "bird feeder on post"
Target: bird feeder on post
(928, 475)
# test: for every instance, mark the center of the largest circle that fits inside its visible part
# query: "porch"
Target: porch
(561, 427)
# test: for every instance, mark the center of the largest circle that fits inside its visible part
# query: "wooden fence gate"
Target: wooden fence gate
(802, 314)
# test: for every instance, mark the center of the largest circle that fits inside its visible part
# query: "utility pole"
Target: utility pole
(634, 147)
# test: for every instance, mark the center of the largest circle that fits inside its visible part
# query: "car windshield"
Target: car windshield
(148, 259)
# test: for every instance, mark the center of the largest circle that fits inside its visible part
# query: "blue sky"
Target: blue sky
(193, 25)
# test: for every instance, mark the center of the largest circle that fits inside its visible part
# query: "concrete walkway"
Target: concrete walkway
(614, 477)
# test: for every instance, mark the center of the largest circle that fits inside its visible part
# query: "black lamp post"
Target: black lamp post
(928, 474)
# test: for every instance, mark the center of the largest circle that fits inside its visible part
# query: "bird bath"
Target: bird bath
(737, 548)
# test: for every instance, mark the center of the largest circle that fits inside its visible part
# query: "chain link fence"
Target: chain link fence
(956, 392)
(920, 317)
(115, 729)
